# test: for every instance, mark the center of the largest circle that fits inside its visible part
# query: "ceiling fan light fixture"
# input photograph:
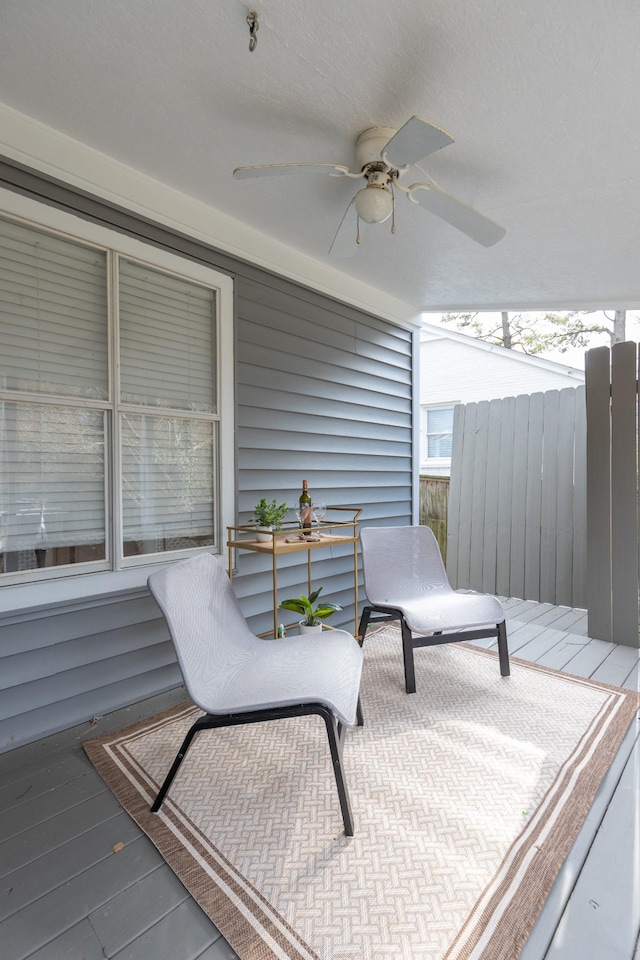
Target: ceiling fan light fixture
(374, 203)
(382, 156)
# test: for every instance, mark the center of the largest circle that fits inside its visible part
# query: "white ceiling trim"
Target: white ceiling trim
(44, 149)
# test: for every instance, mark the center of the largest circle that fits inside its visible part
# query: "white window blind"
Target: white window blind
(53, 495)
(167, 340)
(53, 304)
(167, 466)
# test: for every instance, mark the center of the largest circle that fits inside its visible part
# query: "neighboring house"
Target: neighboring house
(456, 368)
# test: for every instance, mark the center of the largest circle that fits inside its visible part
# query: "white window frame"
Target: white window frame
(22, 590)
(432, 463)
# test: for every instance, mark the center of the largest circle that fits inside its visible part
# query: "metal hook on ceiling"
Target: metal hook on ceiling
(252, 20)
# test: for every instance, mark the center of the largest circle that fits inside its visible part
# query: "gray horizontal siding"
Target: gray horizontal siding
(323, 392)
(63, 664)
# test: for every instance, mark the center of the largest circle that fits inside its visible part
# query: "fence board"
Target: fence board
(466, 497)
(598, 393)
(534, 495)
(578, 595)
(478, 493)
(434, 500)
(565, 523)
(505, 497)
(518, 501)
(491, 507)
(548, 511)
(624, 506)
(453, 532)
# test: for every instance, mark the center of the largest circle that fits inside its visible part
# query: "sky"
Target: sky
(572, 357)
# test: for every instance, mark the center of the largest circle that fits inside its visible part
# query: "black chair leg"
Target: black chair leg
(182, 752)
(335, 733)
(503, 650)
(407, 653)
(364, 624)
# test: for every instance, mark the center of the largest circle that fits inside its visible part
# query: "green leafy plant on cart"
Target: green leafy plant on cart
(312, 615)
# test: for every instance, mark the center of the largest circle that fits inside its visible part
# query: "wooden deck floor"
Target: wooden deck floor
(65, 894)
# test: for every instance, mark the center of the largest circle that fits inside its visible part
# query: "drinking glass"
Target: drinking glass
(319, 510)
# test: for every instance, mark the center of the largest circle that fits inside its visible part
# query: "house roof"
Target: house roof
(431, 331)
(538, 96)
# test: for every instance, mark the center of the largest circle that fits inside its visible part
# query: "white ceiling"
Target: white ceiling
(542, 99)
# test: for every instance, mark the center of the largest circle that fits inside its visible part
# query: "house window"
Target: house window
(110, 406)
(438, 433)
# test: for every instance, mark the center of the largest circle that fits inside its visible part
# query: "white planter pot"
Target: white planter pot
(305, 628)
(263, 534)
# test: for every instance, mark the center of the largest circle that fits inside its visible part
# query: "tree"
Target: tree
(536, 333)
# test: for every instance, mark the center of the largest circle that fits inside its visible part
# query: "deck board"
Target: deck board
(540, 645)
(60, 908)
(602, 918)
(559, 656)
(72, 896)
(79, 941)
(57, 831)
(24, 886)
(618, 665)
(590, 658)
(26, 816)
(41, 781)
(136, 910)
(185, 933)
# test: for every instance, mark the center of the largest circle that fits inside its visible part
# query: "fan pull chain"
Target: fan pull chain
(393, 211)
(357, 228)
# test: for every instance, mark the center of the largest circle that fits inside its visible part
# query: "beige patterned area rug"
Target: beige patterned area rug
(467, 797)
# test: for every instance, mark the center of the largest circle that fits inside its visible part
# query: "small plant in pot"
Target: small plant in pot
(312, 616)
(269, 516)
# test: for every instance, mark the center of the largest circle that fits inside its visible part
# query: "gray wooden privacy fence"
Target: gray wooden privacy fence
(517, 499)
(612, 493)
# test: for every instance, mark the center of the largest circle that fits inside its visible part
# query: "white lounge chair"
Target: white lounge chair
(237, 678)
(405, 580)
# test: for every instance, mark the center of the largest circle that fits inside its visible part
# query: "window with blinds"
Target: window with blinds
(438, 432)
(103, 463)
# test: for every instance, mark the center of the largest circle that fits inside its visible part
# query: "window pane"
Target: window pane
(168, 469)
(439, 446)
(440, 421)
(51, 486)
(167, 340)
(439, 433)
(53, 307)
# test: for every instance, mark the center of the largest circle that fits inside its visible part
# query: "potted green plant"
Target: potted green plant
(312, 616)
(269, 516)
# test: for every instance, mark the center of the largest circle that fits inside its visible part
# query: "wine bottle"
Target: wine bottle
(306, 510)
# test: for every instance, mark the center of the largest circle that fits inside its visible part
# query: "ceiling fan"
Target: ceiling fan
(382, 157)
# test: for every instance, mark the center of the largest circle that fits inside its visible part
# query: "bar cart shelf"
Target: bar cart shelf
(290, 539)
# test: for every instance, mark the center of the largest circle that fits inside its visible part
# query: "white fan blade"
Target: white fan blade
(458, 214)
(345, 243)
(414, 141)
(278, 169)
